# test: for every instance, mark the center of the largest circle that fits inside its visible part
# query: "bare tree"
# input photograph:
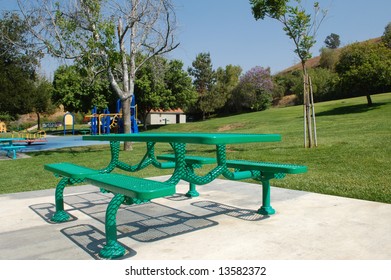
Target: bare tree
(112, 37)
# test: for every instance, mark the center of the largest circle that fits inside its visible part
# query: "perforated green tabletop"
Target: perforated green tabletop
(193, 138)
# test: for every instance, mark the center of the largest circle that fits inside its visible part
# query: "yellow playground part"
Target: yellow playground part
(30, 137)
(113, 120)
(3, 127)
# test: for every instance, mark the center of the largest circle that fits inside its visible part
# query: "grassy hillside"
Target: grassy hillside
(354, 152)
(353, 158)
(314, 61)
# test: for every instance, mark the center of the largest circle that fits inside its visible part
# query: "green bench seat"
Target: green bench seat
(264, 172)
(71, 174)
(125, 189)
(192, 162)
(267, 167)
(11, 149)
(70, 170)
(132, 187)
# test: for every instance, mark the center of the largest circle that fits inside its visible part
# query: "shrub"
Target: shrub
(254, 91)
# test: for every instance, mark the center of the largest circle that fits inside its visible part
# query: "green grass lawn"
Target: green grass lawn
(353, 157)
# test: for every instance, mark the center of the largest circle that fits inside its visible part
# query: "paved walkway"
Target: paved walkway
(221, 224)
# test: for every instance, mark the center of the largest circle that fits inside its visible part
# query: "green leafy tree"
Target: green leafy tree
(332, 41)
(180, 84)
(226, 81)
(18, 63)
(163, 85)
(151, 90)
(254, 91)
(204, 82)
(15, 90)
(41, 99)
(75, 91)
(15, 45)
(296, 22)
(365, 69)
(328, 58)
(386, 38)
(329, 54)
(301, 28)
(106, 36)
(324, 84)
(285, 82)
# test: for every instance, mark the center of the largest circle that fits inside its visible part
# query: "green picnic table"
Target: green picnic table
(129, 189)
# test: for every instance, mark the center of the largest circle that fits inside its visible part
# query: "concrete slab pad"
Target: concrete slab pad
(220, 224)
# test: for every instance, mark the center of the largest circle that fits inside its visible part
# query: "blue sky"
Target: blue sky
(227, 30)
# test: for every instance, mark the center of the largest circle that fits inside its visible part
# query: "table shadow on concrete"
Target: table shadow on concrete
(47, 210)
(91, 240)
(146, 222)
(219, 209)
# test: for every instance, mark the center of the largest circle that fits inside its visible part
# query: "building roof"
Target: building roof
(170, 111)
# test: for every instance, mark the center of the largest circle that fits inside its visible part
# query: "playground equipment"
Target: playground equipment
(3, 127)
(69, 119)
(105, 123)
(29, 137)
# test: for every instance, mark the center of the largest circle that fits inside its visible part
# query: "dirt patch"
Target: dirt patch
(228, 127)
(32, 117)
(289, 100)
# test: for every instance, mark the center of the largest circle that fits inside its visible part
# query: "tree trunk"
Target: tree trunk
(38, 121)
(308, 118)
(144, 117)
(126, 120)
(369, 99)
(307, 108)
(126, 93)
(313, 111)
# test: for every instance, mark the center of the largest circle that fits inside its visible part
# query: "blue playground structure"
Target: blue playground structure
(106, 123)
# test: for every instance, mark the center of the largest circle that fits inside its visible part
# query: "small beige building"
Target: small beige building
(156, 117)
